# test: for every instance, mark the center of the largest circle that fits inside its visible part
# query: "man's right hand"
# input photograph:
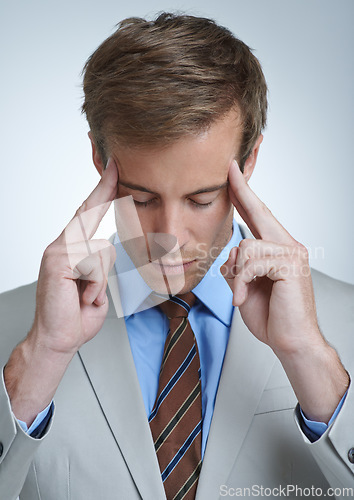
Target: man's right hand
(71, 304)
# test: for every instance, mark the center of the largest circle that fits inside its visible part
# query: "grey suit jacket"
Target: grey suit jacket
(99, 444)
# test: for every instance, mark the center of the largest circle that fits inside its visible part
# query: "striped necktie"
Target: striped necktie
(176, 418)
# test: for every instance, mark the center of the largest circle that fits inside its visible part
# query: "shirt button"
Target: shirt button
(351, 455)
(2, 449)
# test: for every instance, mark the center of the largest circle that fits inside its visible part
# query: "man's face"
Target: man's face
(181, 191)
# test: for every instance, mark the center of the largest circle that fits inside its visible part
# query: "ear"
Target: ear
(250, 163)
(95, 155)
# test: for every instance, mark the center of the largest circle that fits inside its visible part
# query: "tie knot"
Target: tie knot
(178, 305)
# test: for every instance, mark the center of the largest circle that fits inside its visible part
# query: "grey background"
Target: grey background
(305, 169)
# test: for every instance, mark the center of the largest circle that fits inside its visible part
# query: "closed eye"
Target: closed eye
(144, 203)
(149, 202)
(201, 205)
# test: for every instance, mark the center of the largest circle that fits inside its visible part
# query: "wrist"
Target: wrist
(38, 344)
(58, 344)
(318, 378)
(307, 341)
(32, 376)
(299, 351)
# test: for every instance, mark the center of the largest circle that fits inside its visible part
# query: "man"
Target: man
(176, 107)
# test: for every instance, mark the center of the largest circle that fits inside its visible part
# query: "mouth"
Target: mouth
(172, 268)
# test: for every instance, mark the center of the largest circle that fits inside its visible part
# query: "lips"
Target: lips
(172, 268)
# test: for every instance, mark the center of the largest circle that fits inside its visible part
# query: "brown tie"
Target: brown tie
(176, 418)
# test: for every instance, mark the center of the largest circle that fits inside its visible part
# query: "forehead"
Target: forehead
(190, 160)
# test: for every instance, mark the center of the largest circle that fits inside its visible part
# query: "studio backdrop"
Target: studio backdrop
(305, 171)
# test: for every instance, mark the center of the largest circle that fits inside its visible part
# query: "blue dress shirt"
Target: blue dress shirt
(210, 319)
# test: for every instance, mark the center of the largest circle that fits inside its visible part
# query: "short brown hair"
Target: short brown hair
(153, 82)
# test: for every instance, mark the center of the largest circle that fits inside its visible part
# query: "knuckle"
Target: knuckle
(54, 261)
(246, 247)
(81, 209)
(48, 251)
(246, 243)
(105, 243)
(51, 253)
(242, 243)
(301, 252)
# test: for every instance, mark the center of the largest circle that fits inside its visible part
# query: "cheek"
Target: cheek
(146, 220)
(216, 223)
(222, 214)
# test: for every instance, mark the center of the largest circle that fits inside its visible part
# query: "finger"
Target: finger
(78, 252)
(255, 249)
(105, 190)
(94, 269)
(258, 249)
(228, 268)
(89, 268)
(94, 293)
(243, 214)
(253, 211)
(276, 269)
(88, 217)
(102, 296)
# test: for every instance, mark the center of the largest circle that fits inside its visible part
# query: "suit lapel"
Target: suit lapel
(245, 372)
(110, 367)
(246, 369)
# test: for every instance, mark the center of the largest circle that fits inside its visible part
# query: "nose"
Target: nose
(171, 228)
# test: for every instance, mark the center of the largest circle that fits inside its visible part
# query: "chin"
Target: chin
(161, 283)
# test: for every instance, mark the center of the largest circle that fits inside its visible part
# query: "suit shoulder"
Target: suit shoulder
(323, 279)
(328, 288)
(23, 296)
(335, 311)
(20, 291)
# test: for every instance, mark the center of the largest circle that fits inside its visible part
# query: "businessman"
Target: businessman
(181, 379)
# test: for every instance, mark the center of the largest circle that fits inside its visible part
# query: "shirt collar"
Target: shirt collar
(133, 290)
(213, 289)
(137, 296)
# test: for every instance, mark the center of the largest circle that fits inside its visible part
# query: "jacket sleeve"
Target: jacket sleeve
(17, 449)
(334, 450)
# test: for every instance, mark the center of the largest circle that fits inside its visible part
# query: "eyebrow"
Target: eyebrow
(209, 189)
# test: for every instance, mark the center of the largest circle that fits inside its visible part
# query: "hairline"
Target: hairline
(153, 146)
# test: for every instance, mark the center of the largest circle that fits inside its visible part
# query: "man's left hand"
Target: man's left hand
(271, 282)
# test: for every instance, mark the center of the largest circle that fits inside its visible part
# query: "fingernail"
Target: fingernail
(99, 303)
